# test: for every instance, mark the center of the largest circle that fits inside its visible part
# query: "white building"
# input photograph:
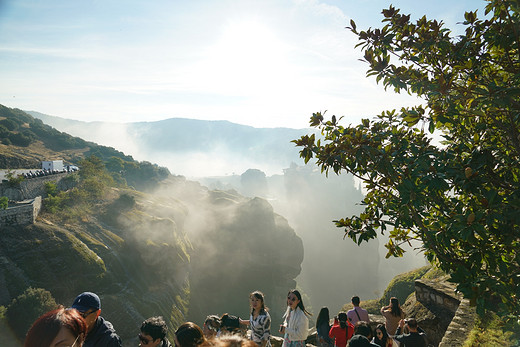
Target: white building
(52, 165)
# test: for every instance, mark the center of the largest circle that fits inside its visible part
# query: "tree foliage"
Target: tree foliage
(27, 307)
(461, 199)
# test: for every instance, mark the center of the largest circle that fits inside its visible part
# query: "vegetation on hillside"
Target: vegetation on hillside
(19, 129)
(461, 199)
(4, 201)
(490, 330)
(27, 307)
(401, 286)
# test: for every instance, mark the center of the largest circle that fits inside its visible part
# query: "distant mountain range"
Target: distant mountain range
(193, 148)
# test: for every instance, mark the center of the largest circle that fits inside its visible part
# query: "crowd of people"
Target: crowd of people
(81, 325)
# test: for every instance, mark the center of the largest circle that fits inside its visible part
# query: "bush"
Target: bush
(27, 307)
(14, 181)
(3, 202)
(51, 189)
(9, 124)
(20, 139)
(490, 330)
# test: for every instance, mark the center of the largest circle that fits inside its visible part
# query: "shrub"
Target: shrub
(3, 202)
(27, 307)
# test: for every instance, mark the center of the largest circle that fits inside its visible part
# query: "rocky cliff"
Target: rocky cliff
(183, 253)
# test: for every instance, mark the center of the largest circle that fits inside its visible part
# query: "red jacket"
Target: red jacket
(340, 335)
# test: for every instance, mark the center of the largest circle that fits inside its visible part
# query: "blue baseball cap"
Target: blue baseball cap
(86, 301)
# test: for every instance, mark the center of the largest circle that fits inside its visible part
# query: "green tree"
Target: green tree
(461, 199)
(27, 307)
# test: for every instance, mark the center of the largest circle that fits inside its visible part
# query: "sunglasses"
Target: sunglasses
(143, 339)
(291, 298)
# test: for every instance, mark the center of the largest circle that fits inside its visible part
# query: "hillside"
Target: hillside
(193, 148)
(182, 252)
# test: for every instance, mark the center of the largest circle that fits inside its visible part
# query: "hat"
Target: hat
(86, 301)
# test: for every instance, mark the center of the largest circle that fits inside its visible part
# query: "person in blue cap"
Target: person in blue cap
(100, 332)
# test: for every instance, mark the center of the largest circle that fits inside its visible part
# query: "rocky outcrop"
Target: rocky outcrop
(183, 253)
(239, 245)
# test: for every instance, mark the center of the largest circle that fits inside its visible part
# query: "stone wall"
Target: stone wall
(22, 213)
(460, 326)
(31, 188)
(437, 293)
(442, 295)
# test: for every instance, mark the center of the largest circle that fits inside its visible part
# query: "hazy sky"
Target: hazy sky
(265, 63)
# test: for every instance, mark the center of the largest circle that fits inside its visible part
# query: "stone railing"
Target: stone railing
(442, 294)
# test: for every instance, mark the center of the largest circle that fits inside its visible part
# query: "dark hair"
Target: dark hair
(395, 308)
(229, 322)
(412, 323)
(45, 328)
(381, 342)
(189, 334)
(343, 322)
(300, 303)
(363, 328)
(212, 322)
(155, 327)
(342, 318)
(323, 316)
(259, 295)
(355, 300)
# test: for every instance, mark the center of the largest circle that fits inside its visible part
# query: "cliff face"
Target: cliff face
(182, 253)
(239, 245)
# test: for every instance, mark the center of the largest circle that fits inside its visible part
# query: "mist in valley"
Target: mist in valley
(219, 156)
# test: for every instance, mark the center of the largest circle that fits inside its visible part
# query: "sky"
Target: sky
(263, 63)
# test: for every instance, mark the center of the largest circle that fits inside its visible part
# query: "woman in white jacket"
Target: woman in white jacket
(296, 324)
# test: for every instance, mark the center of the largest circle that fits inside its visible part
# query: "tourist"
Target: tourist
(153, 333)
(259, 320)
(323, 328)
(357, 313)
(342, 330)
(381, 337)
(362, 336)
(415, 336)
(60, 327)
(100, 333)
(189, 334)
(211, 326)
(393, 314)
(229, 324)
(296, 324)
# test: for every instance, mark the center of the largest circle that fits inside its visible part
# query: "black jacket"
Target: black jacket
(413, 339)
(102, 335)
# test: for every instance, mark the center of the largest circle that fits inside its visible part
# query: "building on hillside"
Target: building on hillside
(52, 165)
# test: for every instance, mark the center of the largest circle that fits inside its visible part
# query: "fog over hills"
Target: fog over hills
(219, 154)
(192, 148)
